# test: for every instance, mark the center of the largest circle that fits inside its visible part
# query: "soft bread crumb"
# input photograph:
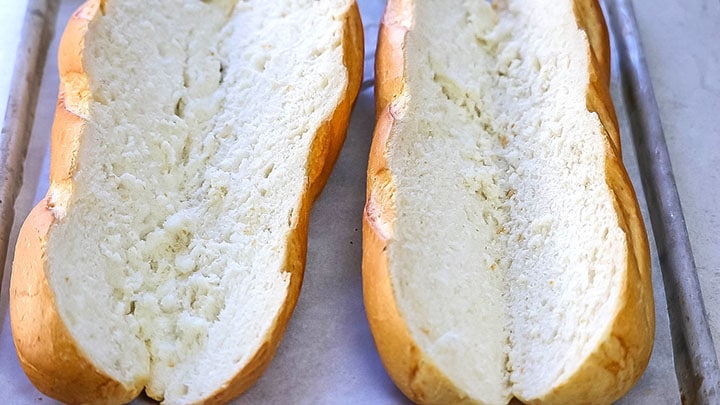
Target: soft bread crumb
(192, 161)
(506, 253)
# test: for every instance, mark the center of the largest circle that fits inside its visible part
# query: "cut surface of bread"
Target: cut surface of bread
(190, 141)
(503, 243)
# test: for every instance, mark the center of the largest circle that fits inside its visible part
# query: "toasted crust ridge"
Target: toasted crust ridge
(50, 356)
(618, 361)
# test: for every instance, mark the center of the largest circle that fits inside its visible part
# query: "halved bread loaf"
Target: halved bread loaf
(190, 140)
(504, 251)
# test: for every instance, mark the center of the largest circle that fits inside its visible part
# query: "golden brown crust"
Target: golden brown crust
(616, 365)
(331, 135)
(589, 18)
(406, 363)
(324, 152)
(49, 355)
(408, 366)
(389, 54)
(400, 355)
(69, 124)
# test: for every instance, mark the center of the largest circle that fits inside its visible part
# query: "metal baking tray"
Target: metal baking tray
(327, 354)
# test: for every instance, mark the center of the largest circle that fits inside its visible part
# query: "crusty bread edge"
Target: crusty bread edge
(412, 371)
(409, 367)
(619, 361)
(389, 53)
(49, 355)
(324, 152)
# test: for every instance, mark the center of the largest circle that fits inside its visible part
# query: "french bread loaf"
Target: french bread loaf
(190, 140)
(504, 251)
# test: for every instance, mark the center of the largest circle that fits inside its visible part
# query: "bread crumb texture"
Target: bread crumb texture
(501, 198)
(167, 259)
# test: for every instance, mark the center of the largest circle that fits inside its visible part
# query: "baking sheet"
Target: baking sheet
(327, 354)
(696, 364)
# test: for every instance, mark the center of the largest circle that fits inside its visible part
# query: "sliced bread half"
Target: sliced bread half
(504, 250)
(189, 142)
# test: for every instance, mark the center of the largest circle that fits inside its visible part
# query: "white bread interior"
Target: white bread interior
(506, 255)
(167, 258)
